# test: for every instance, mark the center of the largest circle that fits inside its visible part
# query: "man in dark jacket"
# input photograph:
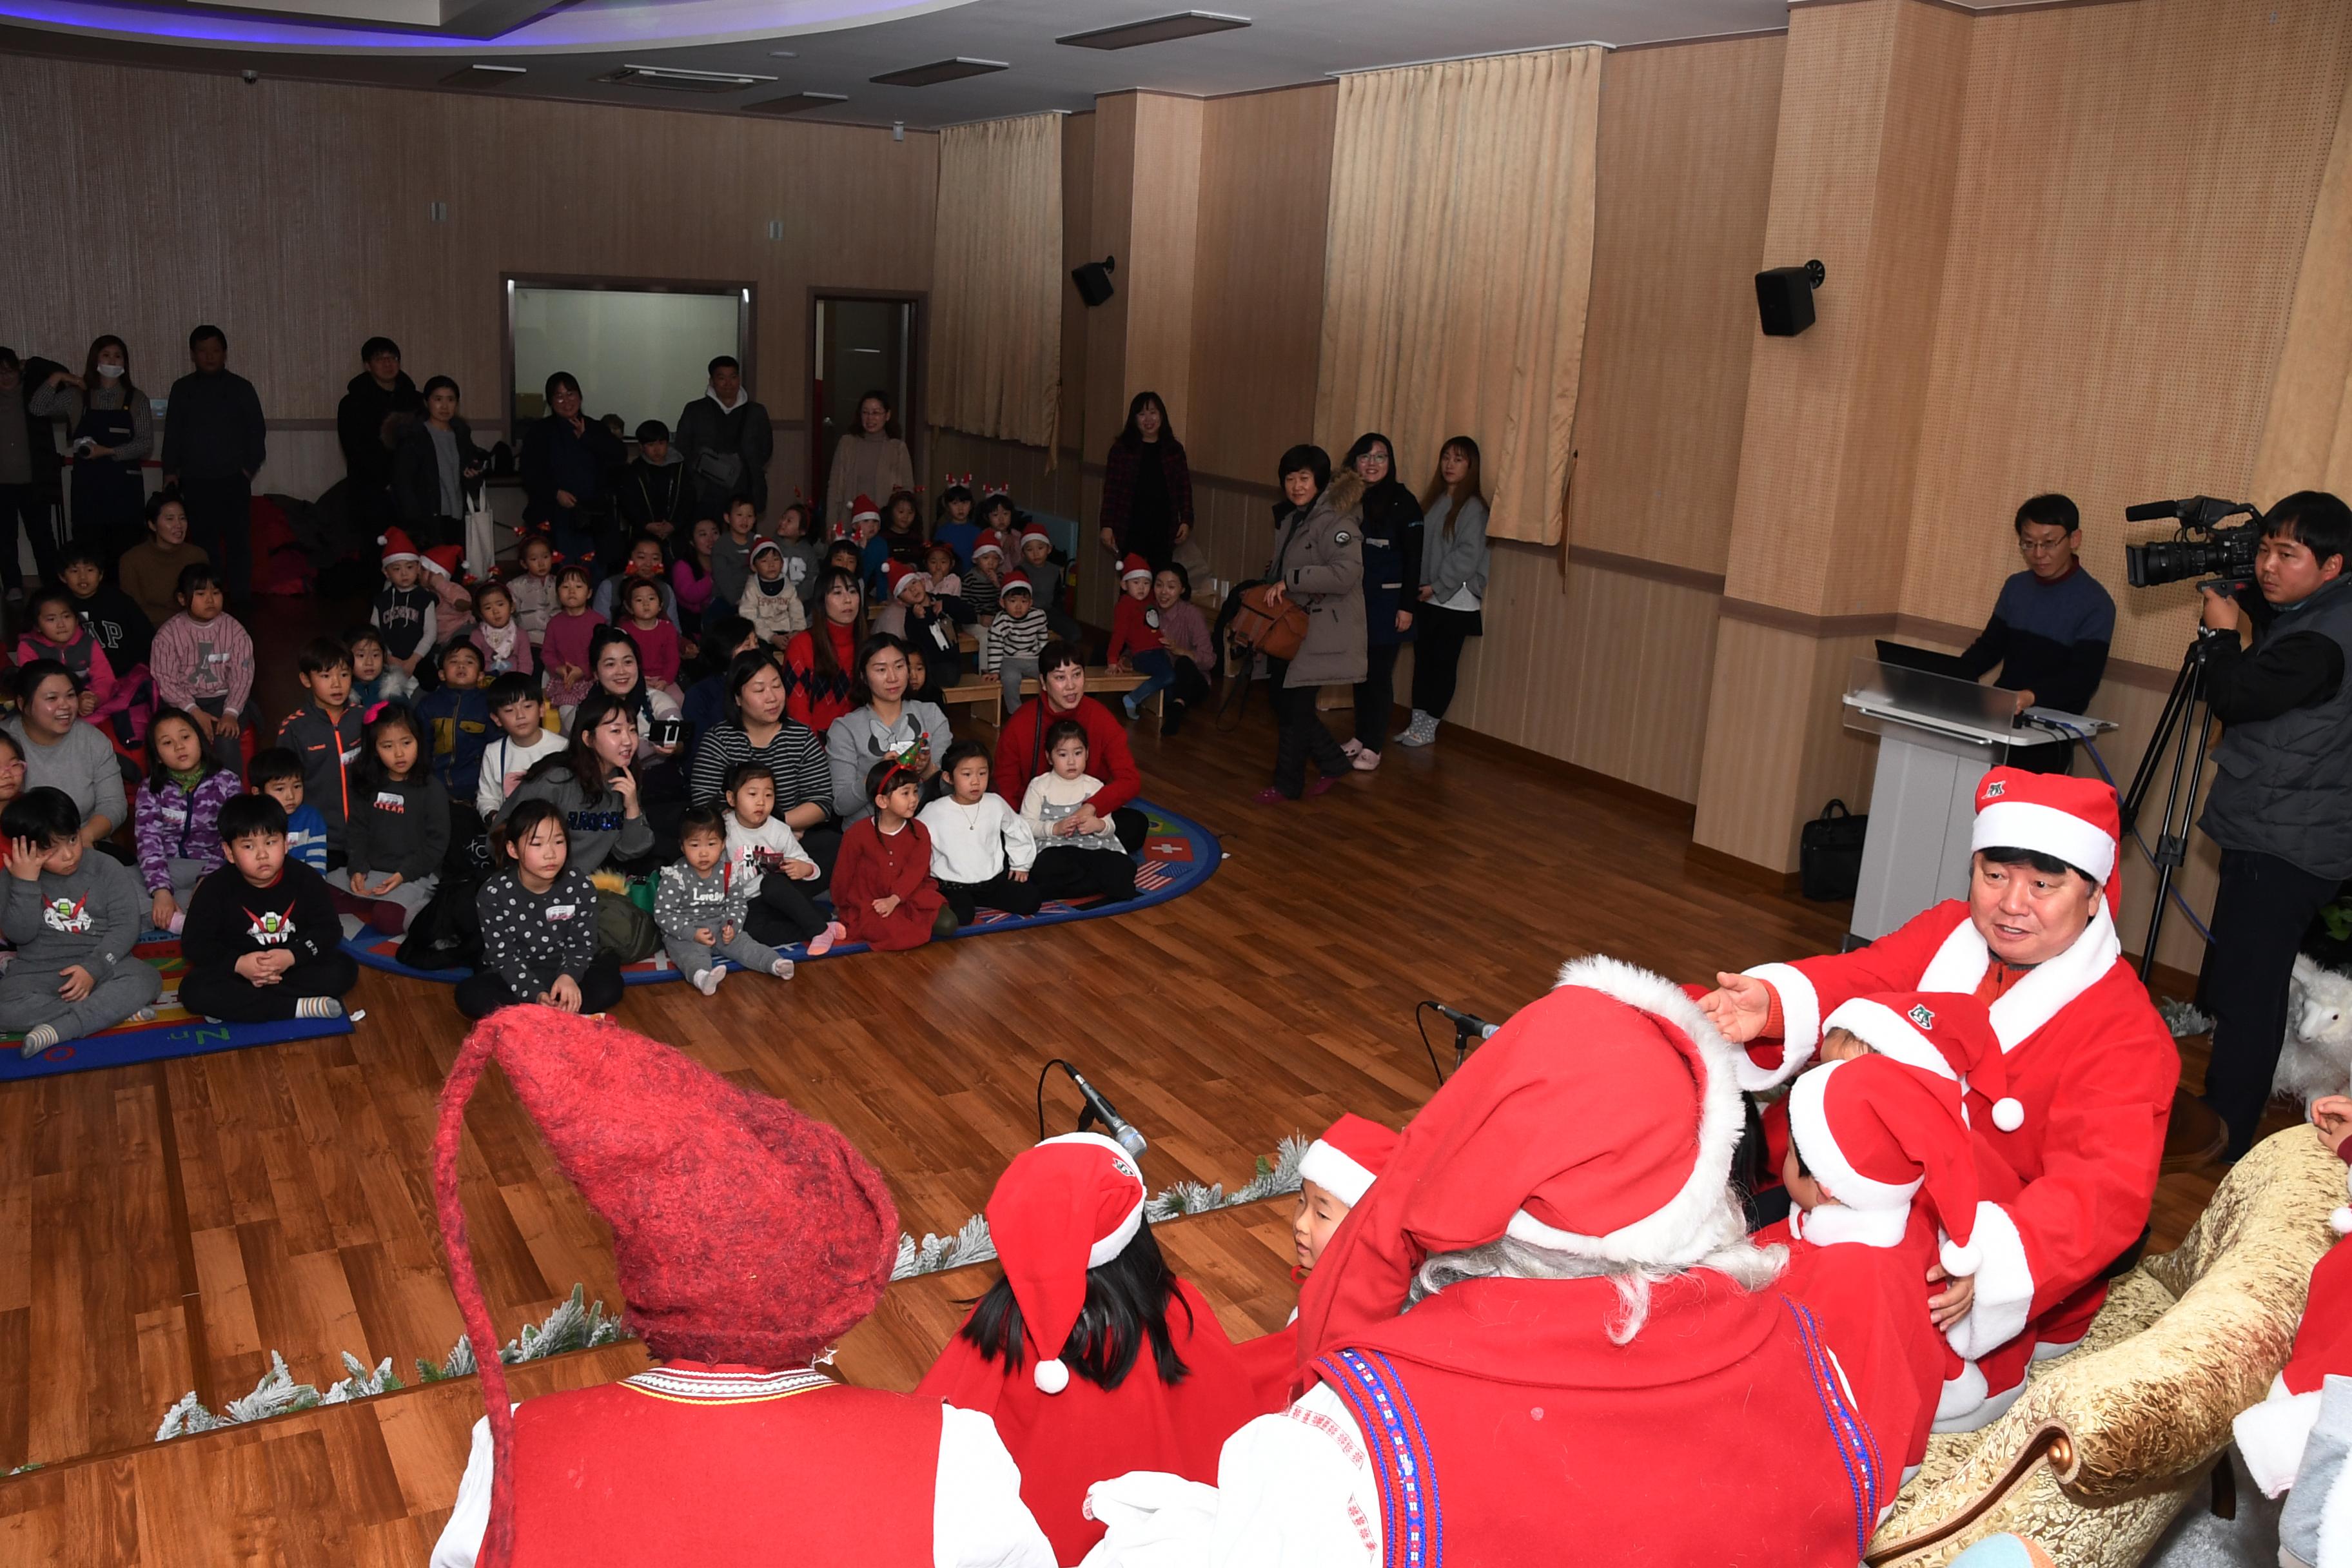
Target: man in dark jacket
(2282, 803)
(215, 441)
(29, 487)
(2050, 628)
(724, 438)
(374, 395)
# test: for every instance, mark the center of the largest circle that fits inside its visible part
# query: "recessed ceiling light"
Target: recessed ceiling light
(1154, 30)
(796, 103)
(783, 53)
(939, 71)
(482, 76)
(674, 79)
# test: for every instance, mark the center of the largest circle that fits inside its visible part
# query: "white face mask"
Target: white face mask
(109, 372)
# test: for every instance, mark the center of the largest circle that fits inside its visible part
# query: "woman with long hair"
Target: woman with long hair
(870, 459)
(819, 662)
(886, 723)
(594, 783)
(1453, 559)
(1392, 588)
(1318, 565)
(1147, 506)
(112, 430)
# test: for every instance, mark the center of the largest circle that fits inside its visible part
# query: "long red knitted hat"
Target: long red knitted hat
(743, 1231)
(1070, 1204)
(1874, 1131)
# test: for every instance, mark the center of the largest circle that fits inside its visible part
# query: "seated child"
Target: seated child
(770, 600)
(1047, 570)
(538, 917)
(122, 630)
(74, 918)
(1069, 864)
(704, 705)
(1339, 1167)
(800, 550)
(882, 887)
(1135, 640)
(325, 736)
(1015, 638)
(701, 907)
(730, 553)
(522, 738)
(944, 567)
(647, 562)
(453, 602)
(982, 849)
(922, 622)
(374, 678)
(658, 649)
(768, 862)
(278, 774)
(1091, 1355)
(505, 645)
(563, 654)
(1191, 652)
(533, 589)
(263, 943)
(979, 583)
(456, 718)
(203, 664)
(176, 817)
(405, 613)
(399, 828)
(54, 631)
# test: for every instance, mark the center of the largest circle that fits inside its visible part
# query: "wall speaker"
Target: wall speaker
(1093, 279)
(1784, 298)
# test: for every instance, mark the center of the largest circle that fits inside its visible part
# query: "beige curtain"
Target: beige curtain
(996, 281)
(2308, 437)
(1456, 269)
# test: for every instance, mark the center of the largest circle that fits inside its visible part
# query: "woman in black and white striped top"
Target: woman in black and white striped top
(757, 729)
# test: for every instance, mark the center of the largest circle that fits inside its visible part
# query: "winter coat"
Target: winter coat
(557, 457)
(416, 470)
(1319, 558)
(1392, 561)
(1118, 486)
(359, 429)
(723, 451)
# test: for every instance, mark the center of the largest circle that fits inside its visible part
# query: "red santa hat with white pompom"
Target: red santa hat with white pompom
(1875, 1132)
(2069, 819)
(1348, 1158)
(1945, 1033)
(1070, 1204)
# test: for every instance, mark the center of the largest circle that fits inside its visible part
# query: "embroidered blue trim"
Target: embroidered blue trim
(1866, 1470)
(1412, 1522)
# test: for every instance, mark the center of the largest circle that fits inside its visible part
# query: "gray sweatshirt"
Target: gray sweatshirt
(82, 765)
(595, 824)
(91, 917)
(1450, 565)
(65, 403)
(687, 902)
(858, 740)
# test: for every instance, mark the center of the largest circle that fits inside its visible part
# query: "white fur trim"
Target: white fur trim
(1991, 1409)
(2004, 1287)
(1331, 1168)
(2272, 1435)
(1890, 1034)
(2025, 824)
(1962, 1393)
(2008, 1115)
(1051, 1376)
(1959, 1260)
(1835, 1224)
(1677, 1235)
(1960, 963)
(2339, 1220)
(2044, 1350)
(1808, 1126)
(1107, 1247)
(1800, 1026)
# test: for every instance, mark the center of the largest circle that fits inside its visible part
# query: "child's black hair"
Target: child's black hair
(241, 816)
(50, 594)
(511, 687)
(742, 773)
(697, 820)
(1062, 729)
(522, 819)
(1128, 1303)
(961, 752)
(575, 569)
(390, 716)
(321, 655)
(492, 585)
(269, 766)
(81, 553)
(358, 635)
(456, 646)
(195, 575)
(158, 775)
(44, 815)
(887, 775)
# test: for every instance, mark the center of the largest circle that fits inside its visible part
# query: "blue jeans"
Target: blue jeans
(1156, 664)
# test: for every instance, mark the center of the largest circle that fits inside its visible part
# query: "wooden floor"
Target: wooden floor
(163, 1228)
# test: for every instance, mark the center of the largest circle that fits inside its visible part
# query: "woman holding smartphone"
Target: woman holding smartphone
(113, 431)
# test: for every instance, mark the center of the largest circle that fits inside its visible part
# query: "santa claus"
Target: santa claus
(1591, 1341)
(2090, 1066)
(748, 1238)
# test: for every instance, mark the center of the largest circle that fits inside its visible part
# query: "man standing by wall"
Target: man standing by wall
(2050, 628)
(214, 443)
(29, 476)
(374, 395)
(2282, 803)
(725, 440)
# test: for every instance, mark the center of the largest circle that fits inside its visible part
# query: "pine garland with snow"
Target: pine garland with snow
(2182, 1018)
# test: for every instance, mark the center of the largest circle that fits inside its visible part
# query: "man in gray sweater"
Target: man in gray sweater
(74, 917)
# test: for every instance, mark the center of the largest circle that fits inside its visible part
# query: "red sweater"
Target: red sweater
(1021, 754)
(1132, 630)
(876, 865)
(812, 696)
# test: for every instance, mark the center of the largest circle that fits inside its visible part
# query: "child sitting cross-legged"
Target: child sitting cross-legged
(176, 815)
(981, 848)
(74, 917)
(771, 864)
(278, 774)
(505, 645)
(522, 738)
(1078, 852)
(456, 718)
(882, 885)
(701, 903)
(262, 937)
(399, 828)
(538, 917)
(203, 663)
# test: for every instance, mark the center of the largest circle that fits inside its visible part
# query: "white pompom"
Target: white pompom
(2340, 1221)
(1052, 1376)
(2008, 1115)
(1961, 1261)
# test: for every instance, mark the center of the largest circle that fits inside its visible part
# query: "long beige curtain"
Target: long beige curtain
(996, 281)
(1456, 269)
(2308, 437)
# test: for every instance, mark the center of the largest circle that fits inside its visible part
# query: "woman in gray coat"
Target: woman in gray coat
(1319, 565)
(1453, 584)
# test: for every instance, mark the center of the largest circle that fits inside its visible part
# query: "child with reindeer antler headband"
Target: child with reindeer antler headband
(955, 526)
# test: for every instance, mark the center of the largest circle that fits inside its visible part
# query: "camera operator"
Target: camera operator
(2282, 803)
(2050, 628)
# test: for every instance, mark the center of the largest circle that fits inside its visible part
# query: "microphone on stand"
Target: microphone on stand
(1467, 1025)
(1098, 1108)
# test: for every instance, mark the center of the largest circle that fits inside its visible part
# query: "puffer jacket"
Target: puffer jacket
(1319, 558)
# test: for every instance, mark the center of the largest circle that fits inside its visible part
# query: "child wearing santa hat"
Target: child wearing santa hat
(405, 613)
(1338, 1168)
(915, 617)
(1135, 641)
(1015, 638)
(444, 566)
(1092, 1355)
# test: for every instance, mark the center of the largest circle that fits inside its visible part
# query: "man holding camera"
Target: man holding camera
(2282, 804)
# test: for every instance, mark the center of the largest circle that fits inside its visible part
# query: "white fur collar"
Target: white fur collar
(1832, 1225)
(1959, 966)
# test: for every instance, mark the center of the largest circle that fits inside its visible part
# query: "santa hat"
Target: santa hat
(900, 574)
(1599, 1121)
(1344, 1162)
(396, 547)
(446, 559)
(2074, 820)
(1069, 1204)
(988, 547)
(1134, 566)
(743, 1231)
(1947, 1033)
(1873, 1130)
(862, 508)
(1035, 530)
(764, 545)
(1015, 582)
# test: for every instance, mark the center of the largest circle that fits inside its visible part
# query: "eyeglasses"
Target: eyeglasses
(2041, 546)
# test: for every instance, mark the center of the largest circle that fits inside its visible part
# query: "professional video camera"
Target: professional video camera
(2202, 547)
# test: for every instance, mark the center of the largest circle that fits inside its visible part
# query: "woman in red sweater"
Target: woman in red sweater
(882, 886)
(818, 661)
(1021, 753)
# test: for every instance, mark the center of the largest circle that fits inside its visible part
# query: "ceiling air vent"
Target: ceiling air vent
(796, 103)
(482, 76)
(1155, 30)
(939, 71)
(670, 78)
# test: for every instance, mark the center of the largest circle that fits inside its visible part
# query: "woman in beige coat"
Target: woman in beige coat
(1319, 565)
(871, 460)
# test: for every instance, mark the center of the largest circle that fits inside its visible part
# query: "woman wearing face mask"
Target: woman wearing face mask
(435, 466)
(566, 458)
(870, 460)
(113, 431)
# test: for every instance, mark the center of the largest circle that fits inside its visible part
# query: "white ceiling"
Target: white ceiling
(837, 45)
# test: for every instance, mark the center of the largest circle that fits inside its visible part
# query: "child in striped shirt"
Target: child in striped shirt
(1015, 638)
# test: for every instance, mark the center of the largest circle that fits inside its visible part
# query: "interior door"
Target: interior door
(863, 345)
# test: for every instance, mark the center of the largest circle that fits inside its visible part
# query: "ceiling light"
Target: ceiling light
(675, 80)
(783, 53)
(482, 76)
(796, 103)
(939, 71)
(1154, 30)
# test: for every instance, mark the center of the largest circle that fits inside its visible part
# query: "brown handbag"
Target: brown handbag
(1277, 631)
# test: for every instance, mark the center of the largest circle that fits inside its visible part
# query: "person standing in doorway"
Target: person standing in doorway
(1147, 506)
(29, 474)
(113, 431)
(379, 393)
(215, 441)
(871, 460)
(725, 440)
(1453, 584)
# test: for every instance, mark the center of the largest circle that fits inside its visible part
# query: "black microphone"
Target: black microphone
(1468, 1023)
(2156, 510)
(1126, 1136)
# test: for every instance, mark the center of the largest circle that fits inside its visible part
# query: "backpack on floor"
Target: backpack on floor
(447, 933)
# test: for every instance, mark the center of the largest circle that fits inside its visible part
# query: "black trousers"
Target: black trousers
(1299, 734)
(1001, 893)
(782, 913)
(1438, 635)
(1079, 873)
(220, 517)
(37, 513)
(2259, 912)
(1132, 827)
(227, 994)
(482, 993)
(1375, 694)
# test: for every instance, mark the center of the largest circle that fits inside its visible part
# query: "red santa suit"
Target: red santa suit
(748, 1237)
(1344, 1162)
(877, 864)
(2271, 1436)
(1530, 1421)
(1068, 1206)
(2090, 1066)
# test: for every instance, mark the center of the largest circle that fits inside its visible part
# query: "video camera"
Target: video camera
(2204, 547)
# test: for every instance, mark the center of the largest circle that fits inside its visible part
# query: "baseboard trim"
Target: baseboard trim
(1682, 812)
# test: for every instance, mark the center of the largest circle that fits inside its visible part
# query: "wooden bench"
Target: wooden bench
(985, 697)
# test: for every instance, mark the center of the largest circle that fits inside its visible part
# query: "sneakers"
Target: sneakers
(821, 942)
(1365, 760)
(319, 1007)
(1134, 708)
(1421, 732)
(781, 969)
(707, 980)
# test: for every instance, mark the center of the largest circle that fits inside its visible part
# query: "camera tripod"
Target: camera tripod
(2184, 734)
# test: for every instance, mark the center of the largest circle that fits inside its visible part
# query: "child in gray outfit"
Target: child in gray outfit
(74, 917)
(702, 904)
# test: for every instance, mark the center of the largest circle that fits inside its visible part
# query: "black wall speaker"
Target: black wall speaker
(1093, 279)
(1784, 298)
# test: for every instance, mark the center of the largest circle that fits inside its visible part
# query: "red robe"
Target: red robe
(1065, 1442)
(1871, 1299)
(875, 865)
(2093, 1066)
